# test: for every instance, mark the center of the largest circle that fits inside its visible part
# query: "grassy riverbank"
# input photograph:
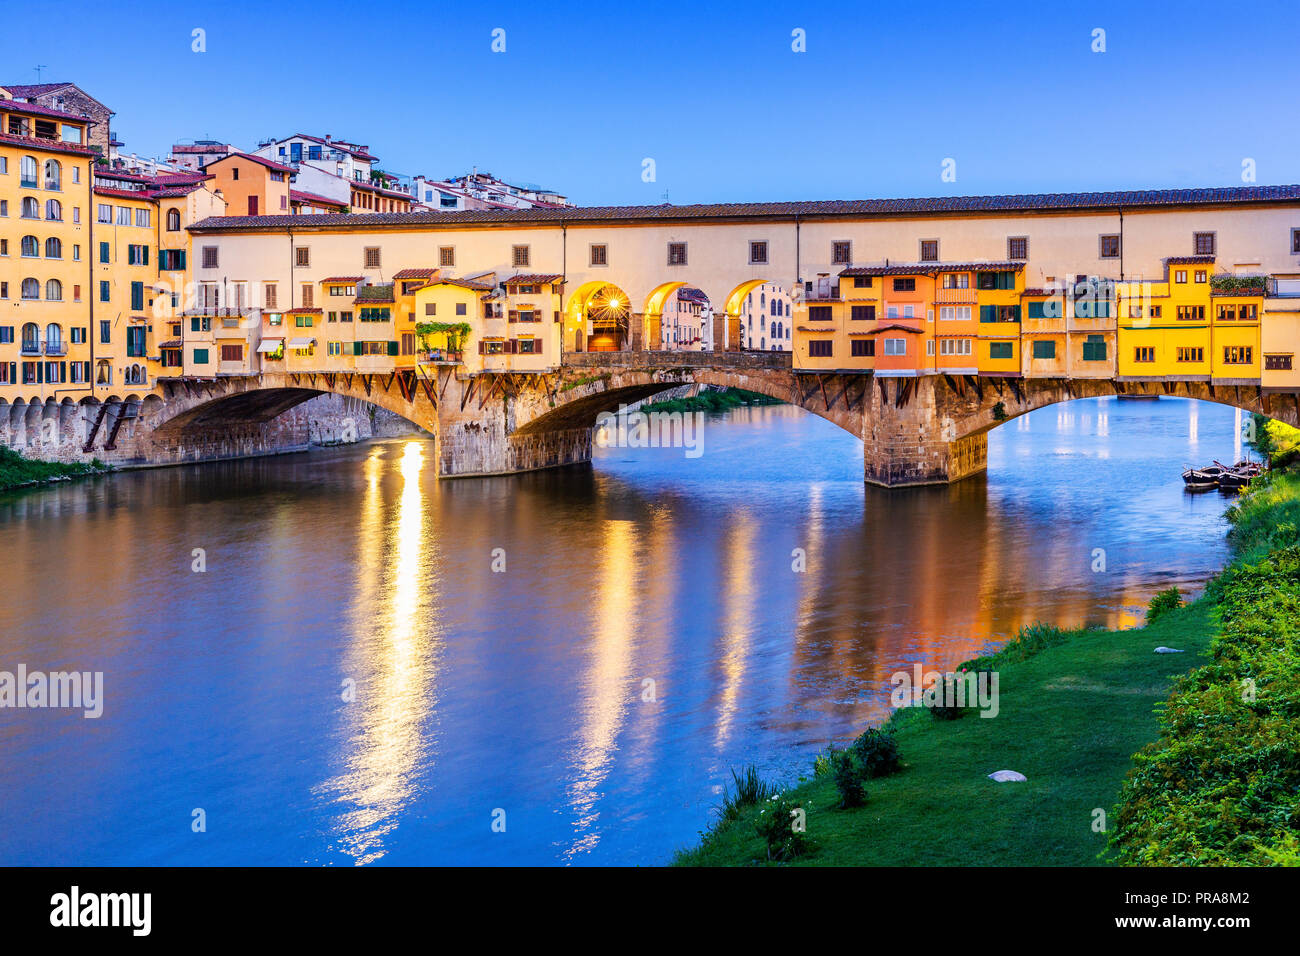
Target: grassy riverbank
(712, 401)
(1071, 717)
(17, 471)
(1187, 766)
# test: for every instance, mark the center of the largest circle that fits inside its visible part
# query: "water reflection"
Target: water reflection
(389, 688)
(525, 690)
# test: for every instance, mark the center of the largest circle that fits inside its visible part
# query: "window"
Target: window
(461, 309)
(1295, 251)
(1044, 349)
(105, 331)
(372, 257)
(1018, 247)
(1094, 349)
(1277, 363)
(904, 285)
(929, 250)
(1190, 354)
(954, 347)
(53, 210)
(200, 356)
(137, 255)
(1004, 279)
(171, 260)
(137, 296)
(862, 282)
(1109, 247)
(1144, 353)
(302, 256)
(1237, 355)
(26, 167)
(841, 252)
(54, 290)
(1000, 350)
(1191, 313)
(1180, 275)
(271, 294)
(819, 313)
(31, 208)
(446, 255)
(1203, 243)
(677, 253)
(209, 257)
(103, 213)
(599, 254)
(123, 215)
(1199, 276)
(31, 289)
(173, 220)
(104, 294)
(232, 353)
(308, 292)
(30, 247)
(956, 280)
(957, 313)
(143, 218)
(895, 346)
(758, 253)
(862, 313)
(820, 348)
(519, 256)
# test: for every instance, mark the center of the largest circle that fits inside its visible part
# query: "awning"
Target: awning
(301, 343)
(270, 345)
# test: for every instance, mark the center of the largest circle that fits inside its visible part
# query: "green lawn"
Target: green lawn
(1071, 718)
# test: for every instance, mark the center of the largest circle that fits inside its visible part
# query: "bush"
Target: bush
(1219, 788)
(750, 790)
(1170, 599)
(876, 752)
(824, 762)
(848, 781)
(780, 824)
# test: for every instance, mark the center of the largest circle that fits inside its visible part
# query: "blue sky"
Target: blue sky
(711, 91)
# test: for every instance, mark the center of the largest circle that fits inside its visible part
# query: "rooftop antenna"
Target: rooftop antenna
(666, 198)
(39, 67)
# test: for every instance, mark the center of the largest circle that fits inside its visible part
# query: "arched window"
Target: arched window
(762, 299)
(31, 208)
(54, 290)
(28, 171)
(173, 220)
(780, 330)
(31, 289)
(53, 174)
(31, 337)
(53, 209)
(31, 246)
(103, 372)
(53, 248)
(773, 331)
(53, 338)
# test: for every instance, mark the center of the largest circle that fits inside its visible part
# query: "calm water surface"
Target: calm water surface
(526, 691)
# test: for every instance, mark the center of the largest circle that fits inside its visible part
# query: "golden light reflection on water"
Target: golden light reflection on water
(393, 662)
(605, 691)
(738, 619)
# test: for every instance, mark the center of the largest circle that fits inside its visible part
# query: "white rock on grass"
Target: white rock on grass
(1167, 650)
(1008, 776)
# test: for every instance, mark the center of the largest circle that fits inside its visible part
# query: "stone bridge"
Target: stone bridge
(915, 430)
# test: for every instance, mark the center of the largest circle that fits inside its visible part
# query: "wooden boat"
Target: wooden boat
(1136, 397)
(1239, 475)
(1203, 479)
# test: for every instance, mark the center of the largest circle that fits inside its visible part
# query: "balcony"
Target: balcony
(1283, 288)
(30, 348)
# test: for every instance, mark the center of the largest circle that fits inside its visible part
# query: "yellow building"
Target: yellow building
(46, 346)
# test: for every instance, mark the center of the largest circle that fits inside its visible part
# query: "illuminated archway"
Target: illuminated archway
(749, 324)
(678, 330)
(598, 318)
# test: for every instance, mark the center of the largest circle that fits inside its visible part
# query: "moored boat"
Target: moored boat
(1202, 479)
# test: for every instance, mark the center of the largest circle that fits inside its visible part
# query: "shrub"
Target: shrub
(824, 762)
(750, 790)
(780, 825)
(876, 752)
(1167, 600)
(848, 781)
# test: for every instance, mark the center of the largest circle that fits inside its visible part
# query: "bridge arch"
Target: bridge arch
(598, 318)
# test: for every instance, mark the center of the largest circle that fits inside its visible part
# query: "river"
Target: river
(335, 659)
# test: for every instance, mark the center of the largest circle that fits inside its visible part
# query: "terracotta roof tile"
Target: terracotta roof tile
(1232, 195)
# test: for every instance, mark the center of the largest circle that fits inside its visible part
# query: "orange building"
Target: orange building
(251, 185)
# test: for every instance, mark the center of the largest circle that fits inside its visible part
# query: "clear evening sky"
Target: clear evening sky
(712, 91)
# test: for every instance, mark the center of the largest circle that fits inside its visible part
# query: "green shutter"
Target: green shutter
(392, 348)
(988, 313)
(1015, 313)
